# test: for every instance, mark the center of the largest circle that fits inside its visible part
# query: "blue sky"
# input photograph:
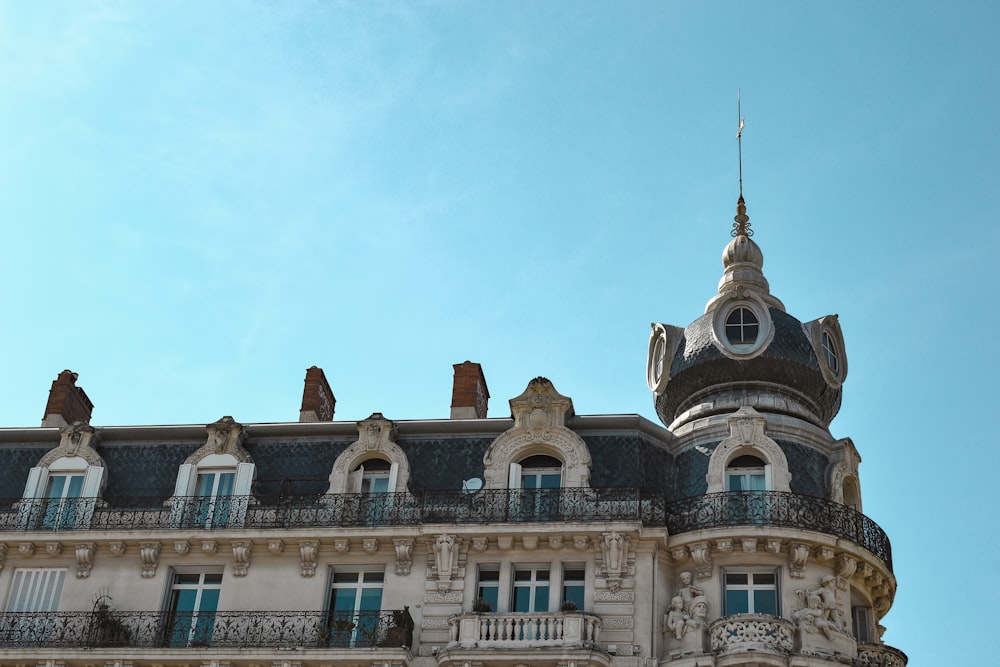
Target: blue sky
(200, 200)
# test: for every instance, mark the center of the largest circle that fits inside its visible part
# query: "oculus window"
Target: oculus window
(742, 326)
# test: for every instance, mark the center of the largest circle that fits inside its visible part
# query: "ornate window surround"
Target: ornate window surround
(75, 453)
(746, 427)
(376, 440)
(540, 415)
(222, 451)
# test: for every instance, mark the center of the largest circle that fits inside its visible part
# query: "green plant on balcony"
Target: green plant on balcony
(106, 629)
(568, 605)
(481, 606)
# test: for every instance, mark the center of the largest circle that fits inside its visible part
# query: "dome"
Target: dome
(746, 350)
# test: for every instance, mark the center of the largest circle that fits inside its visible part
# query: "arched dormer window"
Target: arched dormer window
(374, 463)
(212, 489)
(61, 491)
(747, 460)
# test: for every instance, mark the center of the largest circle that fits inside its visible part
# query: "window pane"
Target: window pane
(541, 598)
(374, 577)
(56, 484)
(765, 602)
(737, 602)
(213, 578)
(736, 482)
(736, 578)
(550, 481)
(75, 486)
(522, 599)
(761, 578)
(757, 482)
(226, 481)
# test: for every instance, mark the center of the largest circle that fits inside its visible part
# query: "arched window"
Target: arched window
(536, 472)
(748, 473)
(374, 476)
(830, 352)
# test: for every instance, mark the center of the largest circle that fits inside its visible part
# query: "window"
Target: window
(742, 327)
(214, 490)
(374, 476)
(62, 500)
(194, 599)
(753, 592)
(746, 473)
(830, 351)
(355, 607)
(488, 589)
(35, 589)
(541, 472)
(531, 589)
(862, 617)
(574, 584)
(539, 478)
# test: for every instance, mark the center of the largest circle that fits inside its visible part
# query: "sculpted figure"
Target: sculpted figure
(444, 548)
(813, 617)
(613, 548)
(826, 592)
(698, 618)
(687, 591)
(676, 618)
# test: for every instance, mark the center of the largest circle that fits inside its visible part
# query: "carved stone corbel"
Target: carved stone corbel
(798, 554)
(773, 546)
(529, 542)
(480, 544)
(85, 559)
(149, 557)
(404, 556)
(117, 549)
(276, 547)
(845, 569)
(749, 545)
(679, 554)
(555, 542)
(505, 542)
(53, 548)
(581, 542)
(341, 545)
(724, 545)
(182, 547)
(445, 556)
(210, 547)
(825, 554)
(702, 557)
(369, 545)
(26, 549)
(241, 558)
(309, 555)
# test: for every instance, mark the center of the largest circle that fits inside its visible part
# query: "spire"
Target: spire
(742, 225)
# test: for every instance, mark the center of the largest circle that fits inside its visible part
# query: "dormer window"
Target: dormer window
(747, 473)
(540, 472)
(375, 474)
(742, 327)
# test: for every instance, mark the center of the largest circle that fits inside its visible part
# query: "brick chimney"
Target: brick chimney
(469, 395)
(67, 402)
(318, 400)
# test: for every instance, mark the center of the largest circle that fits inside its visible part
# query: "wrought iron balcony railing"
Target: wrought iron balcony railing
(217, 629)
(738, 508)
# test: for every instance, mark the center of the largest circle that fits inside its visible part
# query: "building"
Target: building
(730, 535)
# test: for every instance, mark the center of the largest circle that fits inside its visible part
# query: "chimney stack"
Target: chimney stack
(318, 400)
(469, 395)
(67, 402)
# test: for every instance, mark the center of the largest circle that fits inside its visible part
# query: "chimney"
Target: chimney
(318, 400)
(469, 395)
(67, 402)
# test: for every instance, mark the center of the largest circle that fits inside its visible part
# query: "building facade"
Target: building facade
(732, 534)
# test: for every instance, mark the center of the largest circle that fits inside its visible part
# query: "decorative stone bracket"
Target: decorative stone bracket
(241, 558)
(85, 559)
(309, 554)
(404, 555)
(149, 556)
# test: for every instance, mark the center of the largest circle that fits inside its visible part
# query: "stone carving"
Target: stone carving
(749, 545)
(53, 548)
(443, 597)
(309, 556)
(614, 548)
(505, 542)
(688, 592)
(702, 558)
(813, 618)
(827, 595)
(117, 549)
(845, 569)
(182, 547)
(444, 558)
(85, 559)
(77, 439)
(341, 545)
(798, 554)
(26, 548)
(685, 617)
(404, 555)
(724, 545)
(241, 558)
(225, 436)
(375, 434)
(149, 557)
(613, 622)
(555, 542)
(581, 542)
(480, 543)
(773, 546)
(529, 542)
(275, 547)
(369, 545)
(733, 631)
(540, 415)
(614, 596)
(209, 547)
(679, 553)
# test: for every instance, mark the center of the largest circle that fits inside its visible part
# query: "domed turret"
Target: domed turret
(746, 350)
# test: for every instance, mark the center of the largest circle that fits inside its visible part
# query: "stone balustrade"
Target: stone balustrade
(752, 632)
(524, 630)
(880, 655)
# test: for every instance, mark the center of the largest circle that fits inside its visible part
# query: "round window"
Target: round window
(830, 352)
(742, 327)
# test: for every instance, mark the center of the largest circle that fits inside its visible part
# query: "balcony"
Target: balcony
(880, 655)
(525, 630)
(760, 633)
(103, 628)
(740, 508)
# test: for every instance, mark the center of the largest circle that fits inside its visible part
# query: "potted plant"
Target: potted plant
(568, 605)
(341, 629)
(481, 606)
(106, 628)
(402, 625)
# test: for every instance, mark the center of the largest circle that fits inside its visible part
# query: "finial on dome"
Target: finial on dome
(742, 225)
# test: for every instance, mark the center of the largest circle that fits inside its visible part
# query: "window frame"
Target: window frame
(750, 588)
(533, 586)
(194, 634)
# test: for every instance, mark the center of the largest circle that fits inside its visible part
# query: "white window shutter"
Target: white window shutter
(92, 482)
(768, 486)
(33, 487)
(244, 479)
(354, 480)
(393, 476)
(185, 479)
(514, 480)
